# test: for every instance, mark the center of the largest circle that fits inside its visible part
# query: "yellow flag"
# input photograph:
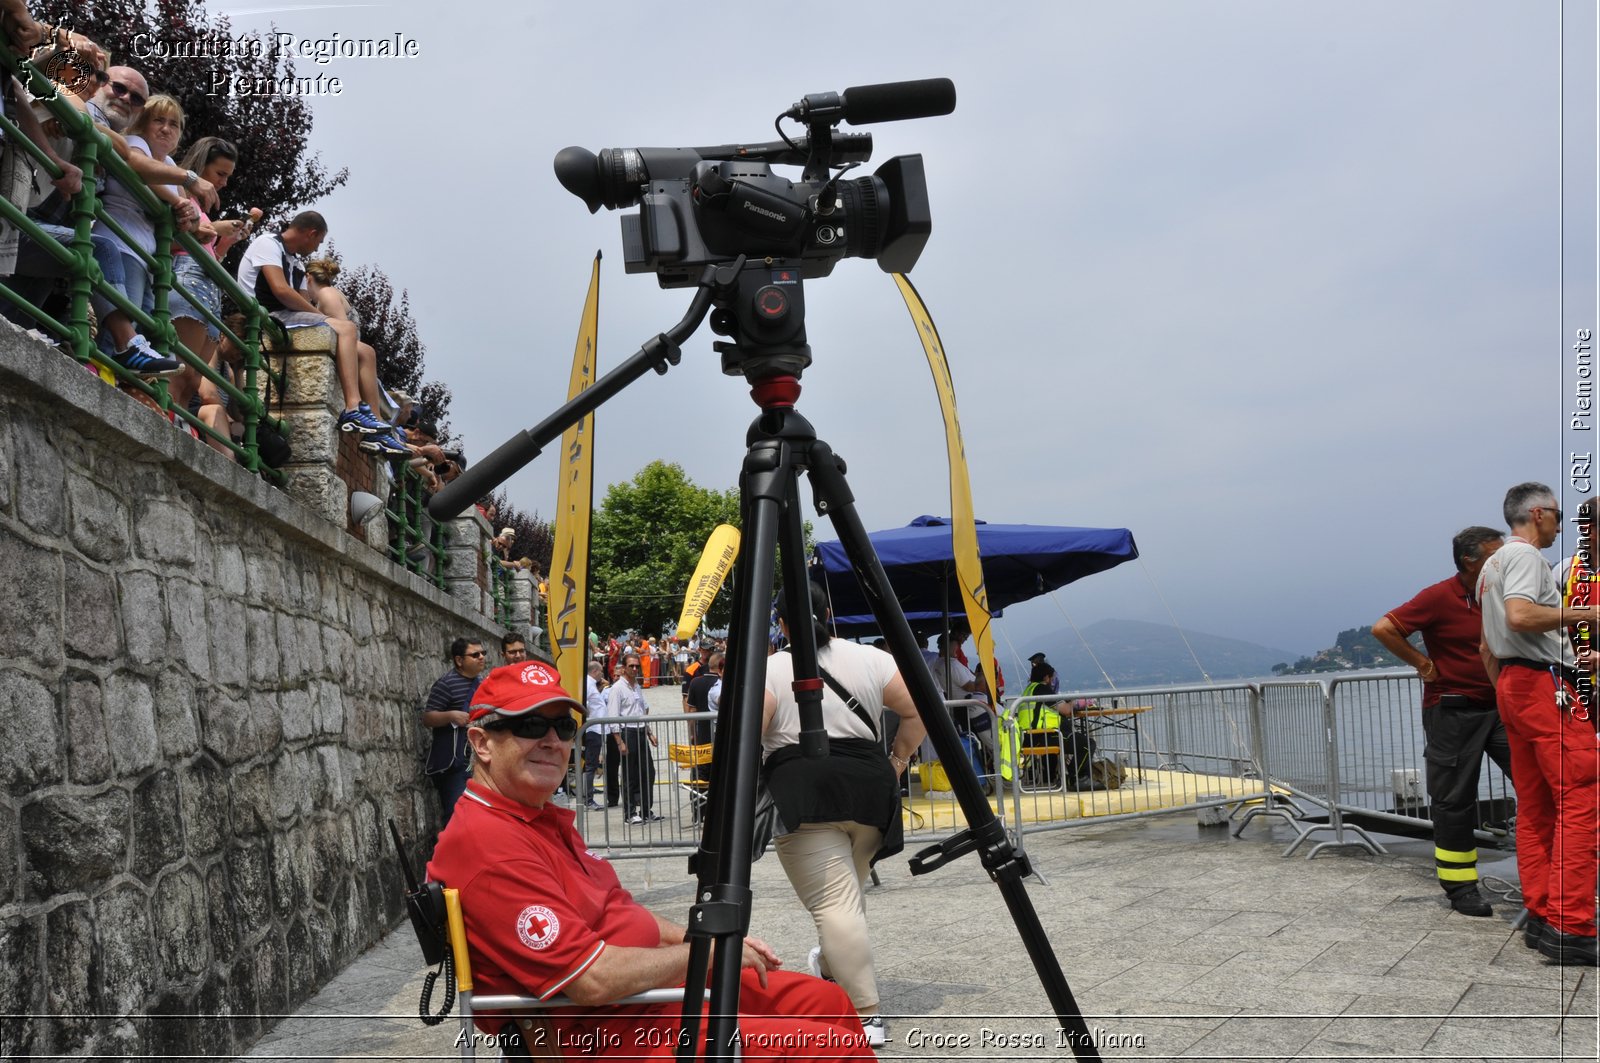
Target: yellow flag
(715, 561)
(569, 583)
(963, 529)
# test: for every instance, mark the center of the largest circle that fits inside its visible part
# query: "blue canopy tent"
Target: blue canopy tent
(1020, 561)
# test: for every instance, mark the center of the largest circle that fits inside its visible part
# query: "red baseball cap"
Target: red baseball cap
(515, 689)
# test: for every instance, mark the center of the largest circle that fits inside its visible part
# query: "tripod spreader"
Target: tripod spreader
(989, 841)
(660, 353)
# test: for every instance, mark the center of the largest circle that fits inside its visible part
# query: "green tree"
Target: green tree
(645, 543)
(387, 324)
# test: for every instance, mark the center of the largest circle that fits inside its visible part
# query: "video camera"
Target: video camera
(709, 205)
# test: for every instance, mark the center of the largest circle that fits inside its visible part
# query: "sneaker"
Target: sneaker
(1468, 901)
(655, 817)
(1533, 930)
(593, 807)
(140, 358)
(635, 818)
(361, 420)
(877, 1033)
(386, 443)
(814, 961)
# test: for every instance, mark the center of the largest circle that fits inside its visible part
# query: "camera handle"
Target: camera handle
(660, 354)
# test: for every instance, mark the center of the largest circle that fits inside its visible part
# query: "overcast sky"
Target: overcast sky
(1275, 285)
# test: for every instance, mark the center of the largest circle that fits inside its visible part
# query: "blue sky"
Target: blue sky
(1277, 286)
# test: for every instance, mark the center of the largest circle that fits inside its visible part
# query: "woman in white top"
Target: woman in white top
(839, 813)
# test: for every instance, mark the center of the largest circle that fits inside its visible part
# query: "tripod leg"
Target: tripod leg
(983, 834)
(721, 917)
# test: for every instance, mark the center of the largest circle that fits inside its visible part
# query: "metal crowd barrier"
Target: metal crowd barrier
(1161, 751)
(677, 796)
(1373, 765)
(1350, 746)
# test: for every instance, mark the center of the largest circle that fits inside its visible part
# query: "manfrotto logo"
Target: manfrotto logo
(764, 212)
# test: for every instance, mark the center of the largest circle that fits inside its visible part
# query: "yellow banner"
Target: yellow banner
(963, 529)
(715, 561)
(569, 577)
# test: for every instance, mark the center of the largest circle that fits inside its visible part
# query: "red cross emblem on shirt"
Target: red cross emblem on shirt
(538, 926)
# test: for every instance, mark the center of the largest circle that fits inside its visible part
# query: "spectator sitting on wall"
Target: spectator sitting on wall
(215, 407)
(273, 271)
(17, 172)
(321, 273)
(214, 159)
(120, 103)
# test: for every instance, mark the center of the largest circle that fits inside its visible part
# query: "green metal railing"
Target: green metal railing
(416, 541)
(500, 580)
(93, 150)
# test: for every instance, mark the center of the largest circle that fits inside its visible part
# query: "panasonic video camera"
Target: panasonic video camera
(700, 206)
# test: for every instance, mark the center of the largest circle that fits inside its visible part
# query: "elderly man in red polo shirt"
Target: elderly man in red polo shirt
(545, 916)
(1459, 716)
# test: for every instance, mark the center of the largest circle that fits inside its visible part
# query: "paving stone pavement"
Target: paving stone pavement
(1177, 940)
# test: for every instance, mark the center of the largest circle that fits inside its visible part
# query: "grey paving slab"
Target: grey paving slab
(1244, 1036)
(1250, 979)
(1386, 1035)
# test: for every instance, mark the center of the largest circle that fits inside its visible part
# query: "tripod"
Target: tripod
(769, 350)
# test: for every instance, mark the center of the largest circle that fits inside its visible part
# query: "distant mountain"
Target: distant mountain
(1134, 652)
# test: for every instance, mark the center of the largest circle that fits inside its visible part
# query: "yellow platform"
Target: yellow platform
(1144, 791)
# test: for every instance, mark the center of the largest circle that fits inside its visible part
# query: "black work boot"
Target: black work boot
(1533, 930)
(1569, 950)
(1468, 901)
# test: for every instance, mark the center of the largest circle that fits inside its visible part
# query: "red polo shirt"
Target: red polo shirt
(1451, 624)
(539, 906)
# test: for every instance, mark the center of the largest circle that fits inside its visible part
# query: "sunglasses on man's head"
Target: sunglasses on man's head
(536, 726)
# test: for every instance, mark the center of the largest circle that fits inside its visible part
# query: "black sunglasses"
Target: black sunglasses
(119, 89)
(536, 726)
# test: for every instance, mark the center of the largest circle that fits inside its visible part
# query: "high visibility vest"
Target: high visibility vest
(1033, 716)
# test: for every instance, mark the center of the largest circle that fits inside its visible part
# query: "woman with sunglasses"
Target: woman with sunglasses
(544, 915)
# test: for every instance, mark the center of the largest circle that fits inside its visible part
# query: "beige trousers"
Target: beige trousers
(828, 864)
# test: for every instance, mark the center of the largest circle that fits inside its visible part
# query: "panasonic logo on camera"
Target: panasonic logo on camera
(763, 211)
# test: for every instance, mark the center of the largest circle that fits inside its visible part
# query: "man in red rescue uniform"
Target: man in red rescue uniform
(1458, 709)
(1553, 755)
(544, 915)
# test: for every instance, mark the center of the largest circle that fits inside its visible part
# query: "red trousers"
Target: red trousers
(1557, 773)
(795, 1017)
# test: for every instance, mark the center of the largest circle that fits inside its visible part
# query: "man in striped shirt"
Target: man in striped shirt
(449, 762)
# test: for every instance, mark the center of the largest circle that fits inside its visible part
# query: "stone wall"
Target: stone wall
(208, 697)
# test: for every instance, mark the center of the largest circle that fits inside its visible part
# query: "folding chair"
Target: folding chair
(1040, 765)
(436, 917)
(524, 1036)
(689, 759)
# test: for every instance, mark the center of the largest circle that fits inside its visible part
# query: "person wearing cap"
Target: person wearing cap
(1553, 757)
(544, 915)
